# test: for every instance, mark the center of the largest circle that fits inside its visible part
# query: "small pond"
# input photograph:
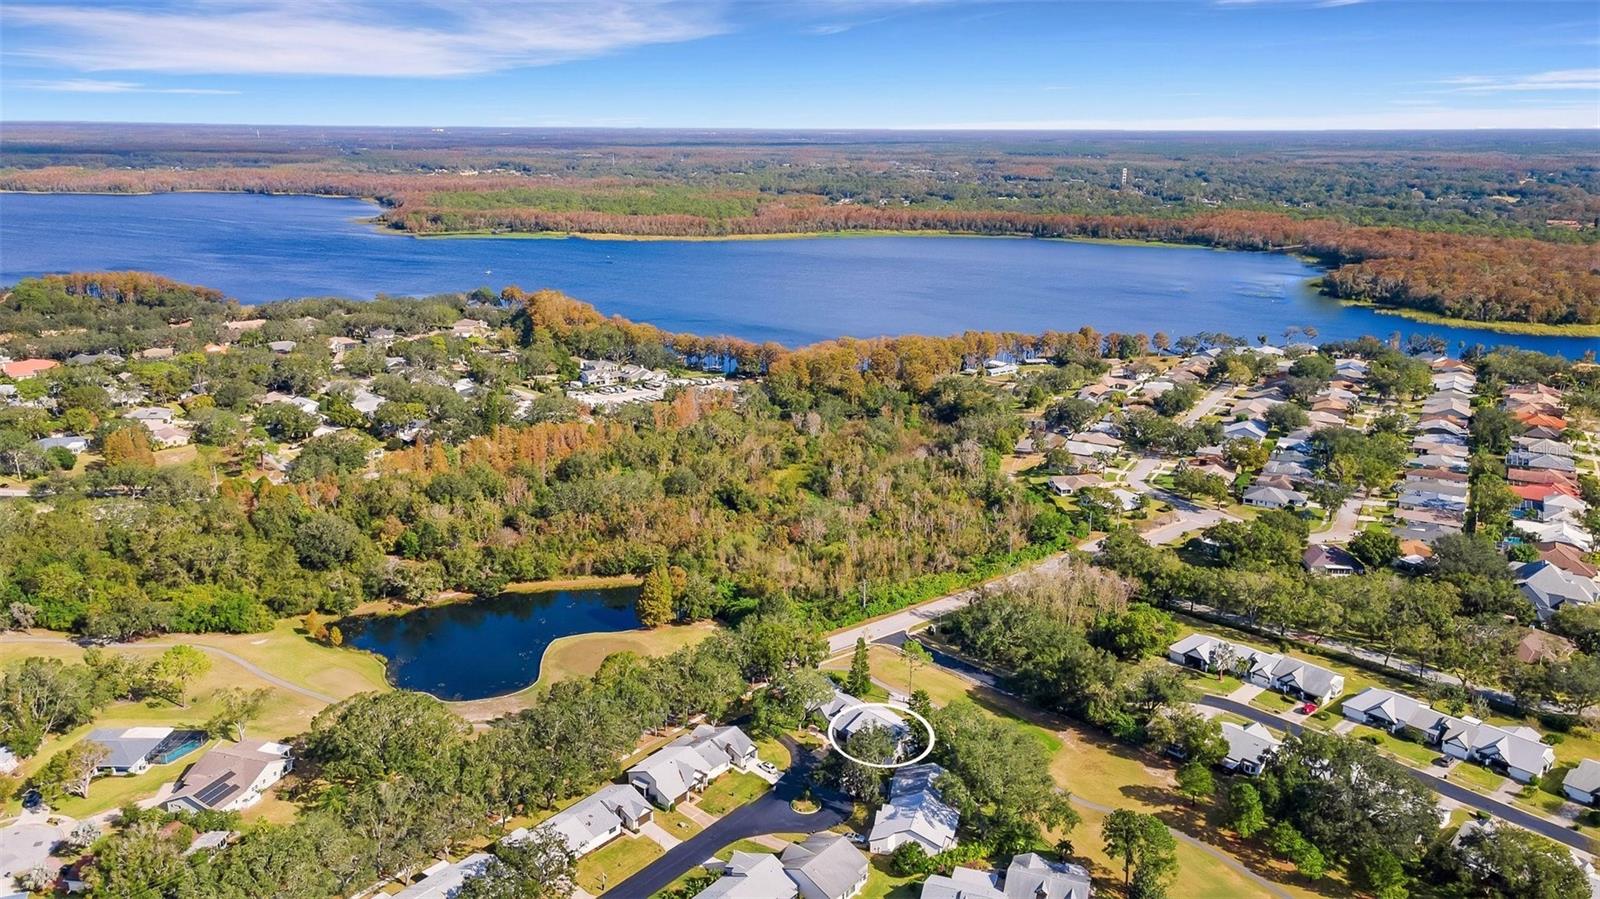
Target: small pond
(487, 647)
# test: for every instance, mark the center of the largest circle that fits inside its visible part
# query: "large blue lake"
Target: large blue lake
(487, 647)
(260, 248)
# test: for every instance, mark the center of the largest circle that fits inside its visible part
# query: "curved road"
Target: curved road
(246, 664)
(1449, 789)
(768, 814)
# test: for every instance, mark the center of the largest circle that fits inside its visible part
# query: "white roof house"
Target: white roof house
(751, 875)
(592, 822)
(1248, 747)
(1285, 674)
(230, 777)
(825, 866)
(1031, 876)
(846, 717)
(129, 749)
(963, 883)
(914, 813)
(1549, 587)
(1384, 708)
(1265, 497)
(444, 880)
(1583, 782)
(690, 762)
(1516, 751)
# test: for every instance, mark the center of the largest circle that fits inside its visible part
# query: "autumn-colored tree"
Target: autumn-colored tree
(128, 446)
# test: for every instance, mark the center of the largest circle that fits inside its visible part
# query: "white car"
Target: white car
(767, 767)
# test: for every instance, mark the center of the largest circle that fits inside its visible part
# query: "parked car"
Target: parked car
(1308, 708)
(768, 767)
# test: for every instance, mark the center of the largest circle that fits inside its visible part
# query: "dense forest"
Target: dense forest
(1492, 229)
(849, 490)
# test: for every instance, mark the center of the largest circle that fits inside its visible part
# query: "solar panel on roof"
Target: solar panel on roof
(216, 791)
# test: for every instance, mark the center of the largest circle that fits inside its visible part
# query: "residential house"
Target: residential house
(72, 443)
(109, 359)
(445, 879)
(689, 763)
(1248, 747)
(1582, 783)
(1274, 498)
(1568, 558)
(23, 369)
(236, 328)
(469, 327)
(132, 750)
(592, 822)
(1249, 429)
(1549, 588)
(1031, 876)
(1541, 476)
(1093, 443)
(282, 347)
(1334, 561)
(751, 875)
(158, 414)
(845, 716)
(1388, 710)
(1515, 752)
(914, 813)
(1282, 673)
(167, 436)
(1294, 677)
(962, 883)
(1542, 647)
(1561, 530)
(825, 866)
(996, 367)
(1067, 484)
(1548, 461)
(230, 777)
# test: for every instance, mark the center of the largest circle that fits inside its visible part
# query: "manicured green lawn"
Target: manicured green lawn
(676, 823)
(730, 791)
(612, 864)
(1414, 753)
(770, 750)
(1476, 777)
(1210, 683)
(883, 885)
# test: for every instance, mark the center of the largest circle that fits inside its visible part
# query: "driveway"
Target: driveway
(768, 814)
(1449, 789)
(1346, 521)
(25, 845)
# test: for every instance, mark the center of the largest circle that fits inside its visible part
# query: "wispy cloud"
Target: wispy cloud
(430, 38)
(95, 86)
(1558, 80)
(1561, 115)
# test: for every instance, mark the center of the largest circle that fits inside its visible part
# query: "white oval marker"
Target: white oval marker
(893, 707)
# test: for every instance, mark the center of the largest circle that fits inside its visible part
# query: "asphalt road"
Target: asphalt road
(1446, 788)
(768, 814)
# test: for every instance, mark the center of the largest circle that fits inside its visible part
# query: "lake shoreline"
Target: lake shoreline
(1524, 329)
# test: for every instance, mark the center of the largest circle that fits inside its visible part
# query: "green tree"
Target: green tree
(654, 605)
(539, 866)
(172, 672)
(860, 680)
(1245, 814)
(236, 707)
(1195, 782)
(915, 656)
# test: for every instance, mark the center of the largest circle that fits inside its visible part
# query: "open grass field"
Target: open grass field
(1102, 773)
(337, 673)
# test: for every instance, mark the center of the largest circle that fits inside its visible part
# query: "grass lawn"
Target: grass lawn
(1413, 753)
(676, 823)
(285, 714)
(768, 749)
(881, 884)
(889, 668)
(730, 791)
(1210, 683)
(1273, 702)
(615, 862)
(1476, 777)
(581, 655)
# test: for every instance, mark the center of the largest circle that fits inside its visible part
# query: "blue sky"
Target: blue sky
(1185, 64)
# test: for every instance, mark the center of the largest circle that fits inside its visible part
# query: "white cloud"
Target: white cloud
(1558, 80)
(1577, 115)
(95, 86)
(430, 38)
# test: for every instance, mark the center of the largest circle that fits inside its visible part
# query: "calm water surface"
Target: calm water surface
(260, 248)
(487, 647)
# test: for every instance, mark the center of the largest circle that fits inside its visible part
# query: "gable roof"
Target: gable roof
(1031, 876)
(963, 883)
(1250, 742)
(221, 775)
(825, 866)
(588, 819)
(1584, 778)
(128, 746)
(751, 875)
